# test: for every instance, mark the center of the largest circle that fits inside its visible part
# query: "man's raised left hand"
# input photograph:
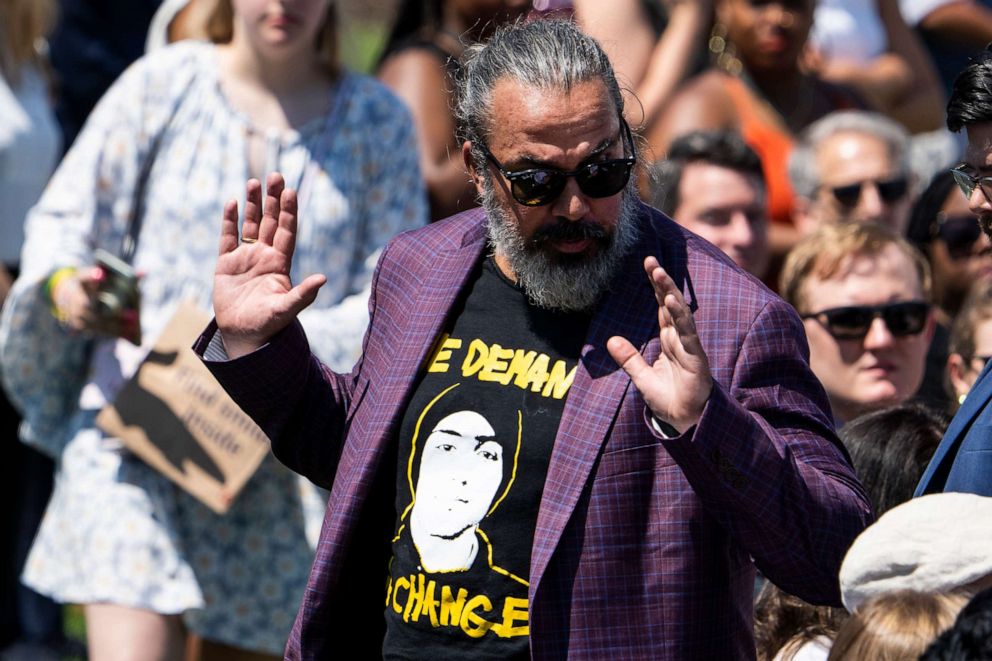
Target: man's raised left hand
(678, 384)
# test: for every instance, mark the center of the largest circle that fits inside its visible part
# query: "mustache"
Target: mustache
(985, 221)
(570, 230)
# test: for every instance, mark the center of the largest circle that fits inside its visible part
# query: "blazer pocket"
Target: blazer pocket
(647, 457)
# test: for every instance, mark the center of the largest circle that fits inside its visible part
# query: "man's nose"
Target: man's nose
(572, 203)
(879, 336)
(979, 203)
(871, 206)
(742, 232)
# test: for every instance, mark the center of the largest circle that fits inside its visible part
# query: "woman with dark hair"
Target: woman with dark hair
(947, 232)
(960, 256)
(171, 143)
(891, 448)
(419, 64)
(757, 85)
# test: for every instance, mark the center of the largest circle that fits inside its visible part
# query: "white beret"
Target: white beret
(935, 543)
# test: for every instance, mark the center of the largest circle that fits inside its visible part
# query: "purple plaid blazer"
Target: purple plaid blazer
(645, 547)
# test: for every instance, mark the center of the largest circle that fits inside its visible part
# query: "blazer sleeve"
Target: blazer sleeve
(768, 466)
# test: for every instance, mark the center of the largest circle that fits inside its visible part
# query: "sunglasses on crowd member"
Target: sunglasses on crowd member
(539, 186)
(958, 232)
(968, 182)
(890, 190)
(852, 322)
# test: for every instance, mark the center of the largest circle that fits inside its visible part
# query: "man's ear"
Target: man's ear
(931, 326)
(470, 166)
(956, 374)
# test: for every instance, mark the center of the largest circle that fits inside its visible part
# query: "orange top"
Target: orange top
(773, 144)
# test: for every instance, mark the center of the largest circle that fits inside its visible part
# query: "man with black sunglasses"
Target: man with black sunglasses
(851, 165)
(864, 295)
(963, 461)
(578, 509)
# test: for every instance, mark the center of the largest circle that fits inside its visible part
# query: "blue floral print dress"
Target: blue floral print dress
(115, 530)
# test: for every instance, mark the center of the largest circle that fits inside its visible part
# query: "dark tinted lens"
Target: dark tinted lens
(964, 182)
(847, 195)
(604, 179)
(850, 322)
(892, 190)
(536, 187)
(959, 233)
(905, 318)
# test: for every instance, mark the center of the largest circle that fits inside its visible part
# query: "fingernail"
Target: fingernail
(97, 273)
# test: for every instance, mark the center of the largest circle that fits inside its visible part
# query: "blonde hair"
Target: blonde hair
(220, 30)
(895, 626)
(830, 250)
(22, 24)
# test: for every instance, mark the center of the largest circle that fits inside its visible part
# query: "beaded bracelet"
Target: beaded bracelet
(50, 285)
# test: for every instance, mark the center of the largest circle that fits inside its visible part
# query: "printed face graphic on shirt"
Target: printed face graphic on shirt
(461, 470)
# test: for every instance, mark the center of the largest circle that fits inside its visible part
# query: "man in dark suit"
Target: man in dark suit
(963, 461)
(611, 421)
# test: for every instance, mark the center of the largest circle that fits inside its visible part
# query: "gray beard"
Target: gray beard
(561, 282)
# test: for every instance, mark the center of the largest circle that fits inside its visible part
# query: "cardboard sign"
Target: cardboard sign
(177, 418)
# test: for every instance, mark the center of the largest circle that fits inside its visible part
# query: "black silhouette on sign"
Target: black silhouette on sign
(137, 406)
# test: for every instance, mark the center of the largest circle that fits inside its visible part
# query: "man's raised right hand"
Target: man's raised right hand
(253, 296)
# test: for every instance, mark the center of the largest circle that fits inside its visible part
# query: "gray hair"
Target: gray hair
(548, 54)
(802, 162)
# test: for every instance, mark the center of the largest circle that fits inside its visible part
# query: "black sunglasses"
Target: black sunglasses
(853, 322)
(968, 183)
(890, 190)
(958, 233)
(540, 186)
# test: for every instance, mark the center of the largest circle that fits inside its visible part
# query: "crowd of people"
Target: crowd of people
(804, 139)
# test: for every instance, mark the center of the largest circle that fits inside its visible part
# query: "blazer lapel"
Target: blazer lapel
(428, 314)
(629, 310)
(426, 317)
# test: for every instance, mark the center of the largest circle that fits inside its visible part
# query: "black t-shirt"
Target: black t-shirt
(474, 447)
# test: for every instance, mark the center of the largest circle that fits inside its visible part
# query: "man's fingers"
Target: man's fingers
(284, 239)
(661, 282)
(684, 324)
(628, 358)
(253, 209)
(229, 228)
(274, 186)
(305, 293)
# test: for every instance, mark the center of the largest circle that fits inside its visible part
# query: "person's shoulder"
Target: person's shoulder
(711, 85)
(174, 58)
(420, 59)
(370, 101)
(452, 233)
(410, 257)
(166, 69)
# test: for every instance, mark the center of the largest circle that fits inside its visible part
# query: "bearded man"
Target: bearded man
(624, 421)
